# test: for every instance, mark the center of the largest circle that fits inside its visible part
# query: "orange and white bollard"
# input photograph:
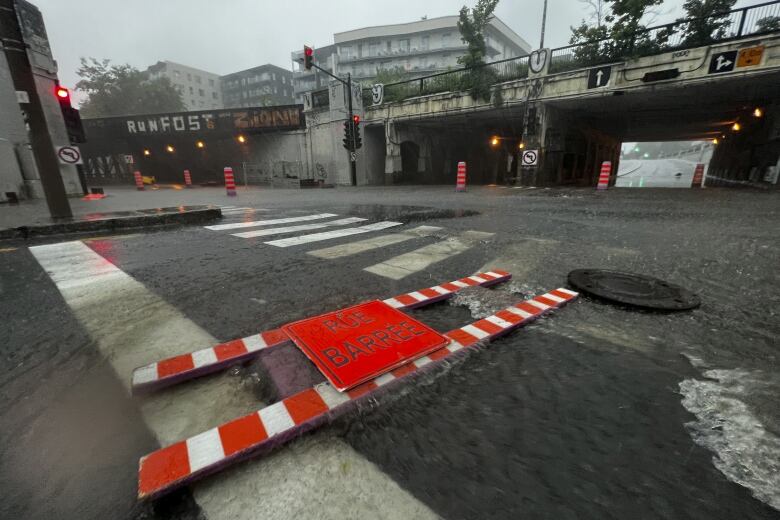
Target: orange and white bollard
(606, 169)
(230, 182)
(698, 176)
(139, 182)
(460, 183)
(187, 179)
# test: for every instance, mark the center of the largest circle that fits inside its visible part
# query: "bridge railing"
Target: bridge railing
(679, 35)
(454, 80)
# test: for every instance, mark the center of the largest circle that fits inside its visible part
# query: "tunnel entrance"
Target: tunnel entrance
(666, 164)
(410, 158)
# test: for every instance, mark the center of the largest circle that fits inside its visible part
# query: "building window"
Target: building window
(211, 82)
(189, 77)
(389, 45)
(445, 40)
(373, 49)
(403, 45)
(191, 91)
(197, 80)
(213, 95)
(201, 93)
(176, 74)
(425, 42)
(284, 80)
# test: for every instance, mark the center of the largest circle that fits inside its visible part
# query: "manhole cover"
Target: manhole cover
(633, 289)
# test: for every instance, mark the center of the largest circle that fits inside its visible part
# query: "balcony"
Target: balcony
(398, 53)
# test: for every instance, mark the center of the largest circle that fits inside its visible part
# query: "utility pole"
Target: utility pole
(15, 50)
(348, 85)
(544, 22)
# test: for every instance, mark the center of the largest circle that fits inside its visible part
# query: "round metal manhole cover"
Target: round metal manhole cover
(633, 289)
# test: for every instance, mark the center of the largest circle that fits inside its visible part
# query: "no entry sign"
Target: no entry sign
(359, 343)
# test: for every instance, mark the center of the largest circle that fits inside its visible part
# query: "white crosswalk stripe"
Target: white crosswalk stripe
(395, 268)
(403, 265)
(271, 222)
(362, 246)
(328, 235)
(303, 227)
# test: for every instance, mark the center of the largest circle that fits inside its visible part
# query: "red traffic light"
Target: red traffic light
(308, 57)
(356, 119)
(62, 92)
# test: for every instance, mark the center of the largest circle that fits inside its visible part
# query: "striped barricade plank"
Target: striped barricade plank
(213, 359)
(178, 464)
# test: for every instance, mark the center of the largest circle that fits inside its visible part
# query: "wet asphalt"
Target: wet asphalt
(577, 416)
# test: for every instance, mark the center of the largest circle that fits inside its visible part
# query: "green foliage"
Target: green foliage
(471, 24)
(768, 24)
(115, 90)
(706, 26)
(393, 75)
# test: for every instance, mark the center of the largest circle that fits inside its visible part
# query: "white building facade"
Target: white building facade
(418, 48)
(200, 90)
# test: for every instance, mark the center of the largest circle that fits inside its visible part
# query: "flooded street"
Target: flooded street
(594, 411)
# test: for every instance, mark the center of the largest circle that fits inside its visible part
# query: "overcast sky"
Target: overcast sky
(224, 36)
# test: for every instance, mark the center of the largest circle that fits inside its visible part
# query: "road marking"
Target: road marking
(272, 222)
(353, 248)
(132, 326)
(7, 249)
(403, 265)
(303, 227)
(328, 235)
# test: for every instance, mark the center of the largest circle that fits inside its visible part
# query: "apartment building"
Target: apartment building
(200, 90)
(264, 85)
(422, 47)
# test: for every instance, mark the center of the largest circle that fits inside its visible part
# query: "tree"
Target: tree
(471, 24)
(709, 20)
(768, 24)
(598, 11)
(115, 90)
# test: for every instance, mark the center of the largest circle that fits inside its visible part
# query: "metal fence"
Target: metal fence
(679, 35)
(454, 80)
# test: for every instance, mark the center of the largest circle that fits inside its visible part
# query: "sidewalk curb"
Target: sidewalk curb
(160, 217)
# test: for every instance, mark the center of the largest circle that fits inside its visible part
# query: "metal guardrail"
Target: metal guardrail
(679, 35)
(686, 33)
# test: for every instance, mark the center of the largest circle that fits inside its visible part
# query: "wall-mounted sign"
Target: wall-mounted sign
(288, 117)
(377, 94)
(722, 62)
(599, 77)
(750, 56)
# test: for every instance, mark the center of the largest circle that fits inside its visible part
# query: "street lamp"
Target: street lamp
(521, 145)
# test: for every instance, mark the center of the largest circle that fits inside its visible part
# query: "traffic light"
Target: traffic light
(70, 115)
(349, 135)
(308, 57)
(356, 126)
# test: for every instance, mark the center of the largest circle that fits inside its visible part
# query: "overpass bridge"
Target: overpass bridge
(576, 112)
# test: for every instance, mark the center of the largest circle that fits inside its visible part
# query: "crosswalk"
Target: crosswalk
(302, 229)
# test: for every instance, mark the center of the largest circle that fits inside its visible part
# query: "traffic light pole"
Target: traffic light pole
(352, 155)
(40, 139)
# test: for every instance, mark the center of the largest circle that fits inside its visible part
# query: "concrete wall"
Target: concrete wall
(13, 137)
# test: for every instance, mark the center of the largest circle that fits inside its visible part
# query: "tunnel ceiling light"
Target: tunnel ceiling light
(736, 127)
(147, 152)
(241, 139)
(758, 112)
(494, 140)
(169, 148)
(521, 145)
(199, 144)
(715, 141)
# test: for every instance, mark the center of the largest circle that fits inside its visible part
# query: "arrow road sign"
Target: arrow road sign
(530, 158)
(599, 77)
(722, 62)
(69, 155)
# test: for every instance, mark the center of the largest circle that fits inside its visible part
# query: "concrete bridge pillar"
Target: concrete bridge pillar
(393, 164)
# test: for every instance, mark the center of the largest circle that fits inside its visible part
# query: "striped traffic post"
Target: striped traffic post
(460, 183)
(606, 169)
(230, 182)
(698, 176)
(139, 182)
(187, 179)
